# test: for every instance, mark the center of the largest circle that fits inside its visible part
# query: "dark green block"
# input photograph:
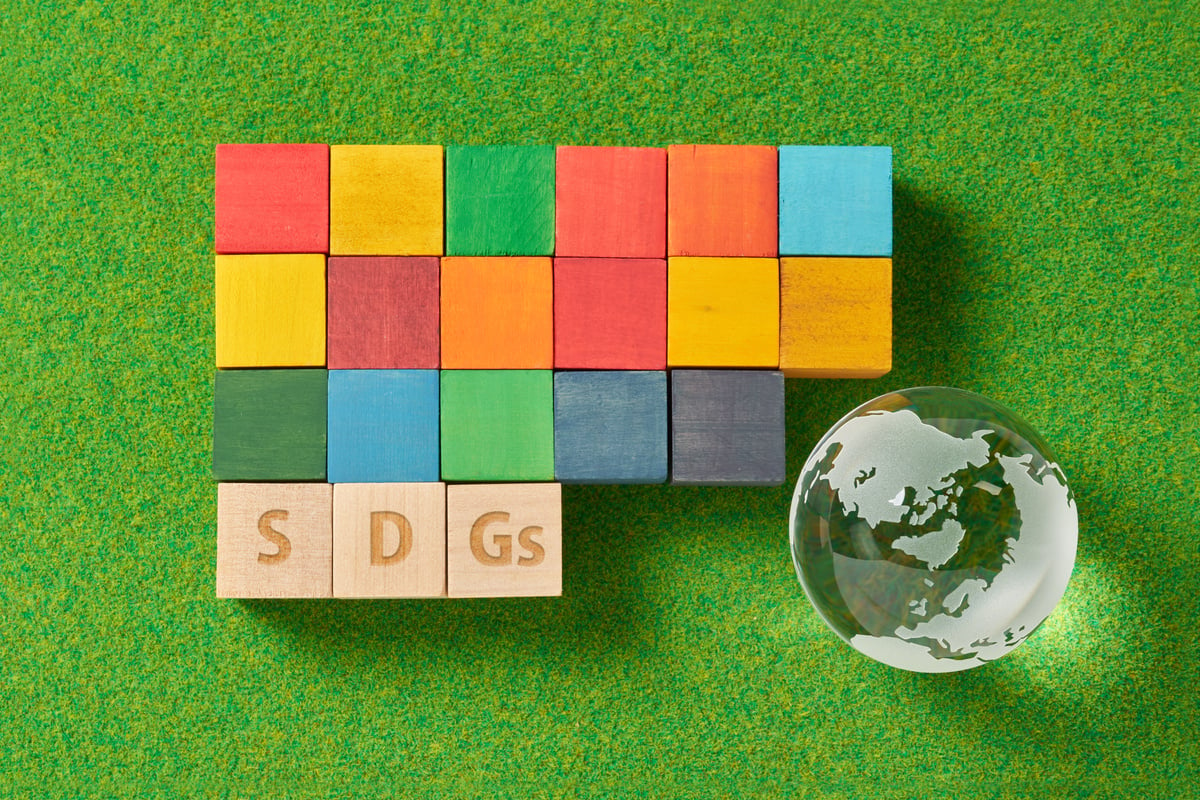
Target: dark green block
(497, 425)
(269, 425)
(500, 201)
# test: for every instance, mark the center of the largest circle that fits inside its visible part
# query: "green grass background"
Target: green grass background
(1046, 216)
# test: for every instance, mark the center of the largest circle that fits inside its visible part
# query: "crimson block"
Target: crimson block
(383, 313)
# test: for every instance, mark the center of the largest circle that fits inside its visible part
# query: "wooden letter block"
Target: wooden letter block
(837, 317)
(500, 201)
(269, 425)
(610, 427)
(610, 313)
(383, 425)
(274, 540)
(722, 200)
(385, 200)
(611, 202)
(497, 425)
(727, 428)
(723, 312)
(504, 540)
(497, 313)
(272, 198)
(389, 540)
(383, 313)
(270, 311)
(835, 201)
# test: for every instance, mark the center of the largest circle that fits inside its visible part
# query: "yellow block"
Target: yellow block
(836, 318)
(271, 311)
(722, 312)
(385, 200)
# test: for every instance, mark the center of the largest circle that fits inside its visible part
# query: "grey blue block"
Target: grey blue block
(610, 427)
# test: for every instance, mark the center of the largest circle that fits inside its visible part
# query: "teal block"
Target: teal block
(835, 201)
(500, 200)
(497, 425)
(269, 425)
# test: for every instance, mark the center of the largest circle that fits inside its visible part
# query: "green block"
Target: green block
(269, 425)
(497, 425)
(500, 201)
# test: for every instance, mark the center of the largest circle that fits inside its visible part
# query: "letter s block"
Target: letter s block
(389, 540)
(504, 540)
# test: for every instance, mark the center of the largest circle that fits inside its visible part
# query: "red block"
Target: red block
(272, 198)
(610, 313)
(611, 202)
(383, 312)
(724, 200)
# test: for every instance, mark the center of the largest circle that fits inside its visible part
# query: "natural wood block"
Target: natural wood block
(835, 201)
(497, 313)
(389, 540)
(610, 313)
(272, 198)
(504, 540)
(610, 427)
(723, 312)
(269, 425)
(500, 201)
(270, 310)
(274, 540)
(385, 200)
(383, 425)
(497, 425)
(611, 202)
(722, 200)
(837, 317)
(383, 313)
(727, 428)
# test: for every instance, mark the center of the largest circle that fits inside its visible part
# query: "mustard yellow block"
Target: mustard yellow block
(385, 200)
(836, 317)
(722, 312)
(271, 310)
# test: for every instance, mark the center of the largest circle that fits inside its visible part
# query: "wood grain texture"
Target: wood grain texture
(722, 312)
(500, 201)
(386, 200)
(727, 428)
(274, 540)
(835, 201)
(270, 310)
(497, 425)
(836, 317)
(610, 427)
(389, 540)
(504, 540)
(722, 200)
(269, 425)
(272, 198)
(383, 425)
(497, 313)
(610, 313)
(611, 202)
(383, 313)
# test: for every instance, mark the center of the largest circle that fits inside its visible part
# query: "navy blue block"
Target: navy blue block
(835, 201)
(610, 427)
(383, 426)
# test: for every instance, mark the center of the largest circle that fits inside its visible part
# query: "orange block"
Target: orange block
(497, 313)
(722, 200)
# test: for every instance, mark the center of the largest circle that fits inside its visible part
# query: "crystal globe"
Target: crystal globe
(933, 529)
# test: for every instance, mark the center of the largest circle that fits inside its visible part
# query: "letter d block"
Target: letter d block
(389, 540)
(504, 540)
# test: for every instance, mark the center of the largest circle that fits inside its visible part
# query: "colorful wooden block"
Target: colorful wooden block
(383, 313)
(500, 201)
(272, 198)
(837, 317)
(610, 313)
(727, 428)
(497, 425)
(504, 540)
(497, 313)
(269, 425)
(383, 425)
(270, 310)
(611, 202)
(274, 540)
(385, 200)
(722, 200)
(723, 312)
(610, 427)
(389, 540)
(835, 201)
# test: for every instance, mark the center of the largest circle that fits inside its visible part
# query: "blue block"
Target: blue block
(383, 425)
(835, 201)
(610, 427)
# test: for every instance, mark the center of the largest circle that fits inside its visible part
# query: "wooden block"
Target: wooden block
(389, 540)
(837, 317)
(727, 428)
(722, 200)
(610, 313)
(385, 200)
(500, 201)
(723, 312)
(835, 201)
(274, 540)
(497, 313)
(383, 425)
(272, 198)
(270, 310)
(504, 540)
(383, 313)
(611, 202)
(497, 425)
(610, 427)
(269, 425)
